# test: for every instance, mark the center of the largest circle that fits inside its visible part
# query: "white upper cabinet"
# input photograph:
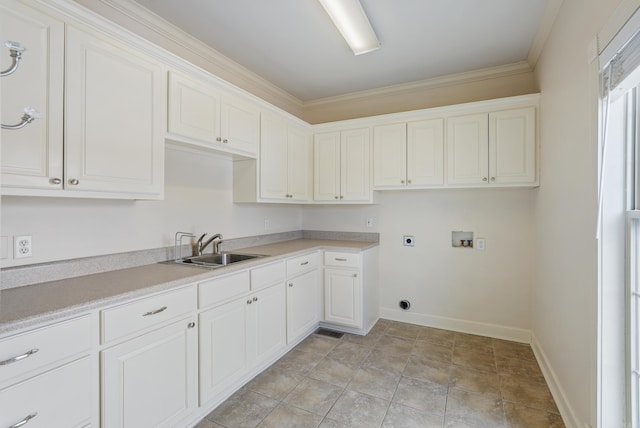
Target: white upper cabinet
(114, 117)
(409, 155)
(342, 166)
(32, 156)
(496, 148)
(285, 160)
(111, 98)
(202, 114)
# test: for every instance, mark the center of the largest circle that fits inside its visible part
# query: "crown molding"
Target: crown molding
(546, 25)
(422, 85)
(164, 29)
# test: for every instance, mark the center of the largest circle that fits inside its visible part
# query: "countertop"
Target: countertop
(28, 306)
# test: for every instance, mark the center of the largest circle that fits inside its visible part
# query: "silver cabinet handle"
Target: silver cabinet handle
(335, 197)
(249, 302)
(493, 179)
(304, 263)
(341, 197)
(291, 284)
(355, 275)
(484, 178)
(408, 181)
(218, 139)
(340, 260)
(191, 324)
(401, 181)
(157, 311)
(25, 420)
(19, 357)
(74, 181)
(255, 299)
(55, 181)
(225, 141)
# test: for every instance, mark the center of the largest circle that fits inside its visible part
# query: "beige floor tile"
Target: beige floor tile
(317, 344)
(354, 409)
(395, 345)
(531, 394)
(287, 416)
(330, 423)
(475, 381)
(335, 372)
(205, 423)
(388, 362)
(298, 361)
(350, 352)
(522, 369)
(400, 329)
(314, 396)
(432, 350)
(452, 423)
(422, 395)
(428, 369)
(369, 340)
(480, 344)
(376, 382)
(467, 357)
(474, 409)
(243, 409)
(275, 383)
(525, 417)
(399, 416)
(522, 351)
(437, 336)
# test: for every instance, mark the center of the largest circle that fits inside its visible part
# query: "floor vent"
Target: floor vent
(330, 333)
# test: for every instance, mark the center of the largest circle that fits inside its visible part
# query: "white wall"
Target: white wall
(485, 292)
(565, 289)
(198, 199)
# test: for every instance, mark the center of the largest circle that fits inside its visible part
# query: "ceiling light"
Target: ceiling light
(353, 24)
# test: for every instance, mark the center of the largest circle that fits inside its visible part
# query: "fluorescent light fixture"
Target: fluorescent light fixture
(353, 24)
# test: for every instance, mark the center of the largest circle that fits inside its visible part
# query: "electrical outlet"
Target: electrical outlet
(408, 241)
(22, 247)
(480, 244)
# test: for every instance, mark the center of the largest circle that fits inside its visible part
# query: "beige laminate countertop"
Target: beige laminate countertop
(28, 306)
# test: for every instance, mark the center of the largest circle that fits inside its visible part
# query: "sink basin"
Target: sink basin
(218, 260)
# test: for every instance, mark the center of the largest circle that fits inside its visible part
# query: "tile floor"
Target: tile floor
(399, 375)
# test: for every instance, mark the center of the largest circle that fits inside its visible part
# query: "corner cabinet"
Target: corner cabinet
(203, 115)
(409, 155)
(493, 149)
(342, 166)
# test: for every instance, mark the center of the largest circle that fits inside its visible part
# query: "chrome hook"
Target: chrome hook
(15, 50)
(30, 114)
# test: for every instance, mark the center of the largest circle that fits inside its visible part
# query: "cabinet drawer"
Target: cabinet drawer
(267, 275)
(302, 264)
(58, 398)
(143, 314)
(219, 290)
(332, 258)
(39, 348)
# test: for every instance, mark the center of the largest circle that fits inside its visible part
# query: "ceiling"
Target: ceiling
(294, 45)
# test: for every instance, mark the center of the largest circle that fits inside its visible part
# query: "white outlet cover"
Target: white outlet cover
(22, 247)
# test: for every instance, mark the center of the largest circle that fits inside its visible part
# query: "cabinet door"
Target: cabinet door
(115, 110)
(273, 157)
(299, 164)
(222, 347)
(61, 397)
(343, 297)
(326, 184)
(512, 146)
(468, 153)
(390, 155)
(303, 304)
(355, 165)
(425, 153)
(194, 109)
(32, 156)
(266, 319)
(151, 380)
(240, 126)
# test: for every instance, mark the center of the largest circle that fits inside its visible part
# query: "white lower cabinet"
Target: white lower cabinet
(343, 297)
(48, 377)
(304, 295)
(266, 324)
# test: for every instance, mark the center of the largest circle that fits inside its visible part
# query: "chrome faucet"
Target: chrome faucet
(202, 245)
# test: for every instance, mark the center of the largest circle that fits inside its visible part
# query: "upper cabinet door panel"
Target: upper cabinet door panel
(32, 156)
(273, 157)
(355, 166)
(115, 112)
(300, 163)
(327, 166)
(425, 153)
(194, 109)
(468, 158)
(240, 125)
(512, 146)
(390, 155)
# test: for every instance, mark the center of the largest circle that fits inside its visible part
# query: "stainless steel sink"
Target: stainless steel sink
(217, 260)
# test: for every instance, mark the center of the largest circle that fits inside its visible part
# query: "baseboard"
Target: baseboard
(566, 411)
(464, 326)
